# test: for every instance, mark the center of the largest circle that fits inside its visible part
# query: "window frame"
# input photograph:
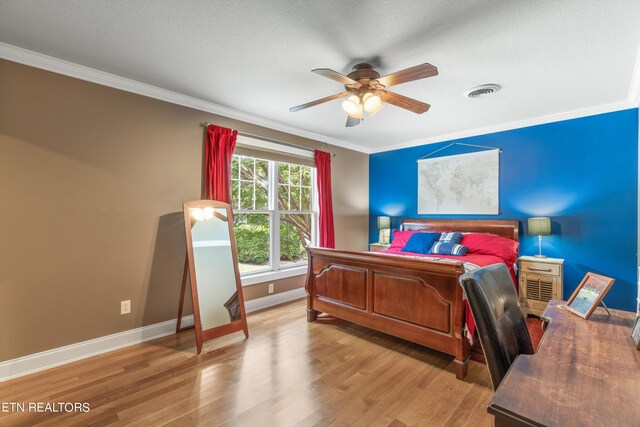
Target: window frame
(273, 211)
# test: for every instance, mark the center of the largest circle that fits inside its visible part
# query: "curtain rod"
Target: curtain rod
(275, 141)
(460, 143)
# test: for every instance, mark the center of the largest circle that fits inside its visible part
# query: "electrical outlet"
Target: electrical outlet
(125, 307)
(270, 288)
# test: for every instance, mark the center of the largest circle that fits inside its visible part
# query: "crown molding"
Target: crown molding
(634, 87)
(59, 66)
(551, 118)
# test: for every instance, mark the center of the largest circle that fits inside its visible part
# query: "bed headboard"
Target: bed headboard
(499, 227)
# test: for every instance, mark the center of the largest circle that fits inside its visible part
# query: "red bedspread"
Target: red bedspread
(477, 259)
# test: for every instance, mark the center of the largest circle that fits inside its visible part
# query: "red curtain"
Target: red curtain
(218, 151)
(323, 169)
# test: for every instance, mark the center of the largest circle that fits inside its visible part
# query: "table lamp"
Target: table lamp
(384, 225)
(539, 226)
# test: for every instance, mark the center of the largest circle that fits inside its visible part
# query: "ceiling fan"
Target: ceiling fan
(367, 90)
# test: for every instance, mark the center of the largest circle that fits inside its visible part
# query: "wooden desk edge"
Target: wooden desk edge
(504, 418)
(552, 313)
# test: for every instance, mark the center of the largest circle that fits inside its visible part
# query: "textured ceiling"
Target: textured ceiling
(550, 56)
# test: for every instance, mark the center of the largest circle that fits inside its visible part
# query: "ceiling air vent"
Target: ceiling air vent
(483, 90)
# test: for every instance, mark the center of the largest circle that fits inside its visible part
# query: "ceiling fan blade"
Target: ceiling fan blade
(418, 72)
(334, 75)
(319, 101)
(401, 101)
(352, 121)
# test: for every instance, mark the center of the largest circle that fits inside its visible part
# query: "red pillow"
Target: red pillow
(400, 238)
(490, 244)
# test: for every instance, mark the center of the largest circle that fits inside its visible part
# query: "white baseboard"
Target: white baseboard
(70, 353)
(275, 299)
(59, 356)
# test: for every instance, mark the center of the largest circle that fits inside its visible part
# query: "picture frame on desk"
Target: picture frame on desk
(635, 333)
(588, 294)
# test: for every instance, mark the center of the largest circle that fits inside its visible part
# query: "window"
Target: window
(269, 196)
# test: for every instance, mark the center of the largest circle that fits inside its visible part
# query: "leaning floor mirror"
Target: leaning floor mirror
(212, 267)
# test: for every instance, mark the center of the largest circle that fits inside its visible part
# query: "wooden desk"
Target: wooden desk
(585, 372)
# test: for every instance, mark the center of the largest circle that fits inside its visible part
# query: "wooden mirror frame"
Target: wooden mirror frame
(189, 270)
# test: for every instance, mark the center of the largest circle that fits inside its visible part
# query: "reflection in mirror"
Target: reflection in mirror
(213, 269)
(215, 273)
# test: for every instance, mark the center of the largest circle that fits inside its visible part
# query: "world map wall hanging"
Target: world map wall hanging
(459, 184)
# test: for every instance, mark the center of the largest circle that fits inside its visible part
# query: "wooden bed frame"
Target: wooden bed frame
(414, 299)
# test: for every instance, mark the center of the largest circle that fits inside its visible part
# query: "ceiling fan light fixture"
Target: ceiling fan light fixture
(373, 111)
(352, 105)
(371, 102)
(365, 90)
(359, 114)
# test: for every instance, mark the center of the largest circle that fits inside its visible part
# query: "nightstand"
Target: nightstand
(540, 281)
(374, 247)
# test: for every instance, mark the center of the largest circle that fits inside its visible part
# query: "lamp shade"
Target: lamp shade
(539, 226)
(371, 102)
(352, 105)
(384, 222)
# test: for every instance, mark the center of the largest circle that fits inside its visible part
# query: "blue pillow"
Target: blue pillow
(446, 248)
(420, 243)
(455, 237)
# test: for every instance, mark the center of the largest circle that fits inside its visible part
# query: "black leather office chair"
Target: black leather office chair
(499, 321)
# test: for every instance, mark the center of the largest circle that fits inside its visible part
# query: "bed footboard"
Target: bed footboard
(417, 300)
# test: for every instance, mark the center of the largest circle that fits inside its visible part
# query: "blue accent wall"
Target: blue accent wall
(583, 173)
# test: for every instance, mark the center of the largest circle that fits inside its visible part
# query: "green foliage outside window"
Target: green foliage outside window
(292, 245)
(250, 190)
(252, 238)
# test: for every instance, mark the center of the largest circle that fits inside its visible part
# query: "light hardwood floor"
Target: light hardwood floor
(288, 373)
